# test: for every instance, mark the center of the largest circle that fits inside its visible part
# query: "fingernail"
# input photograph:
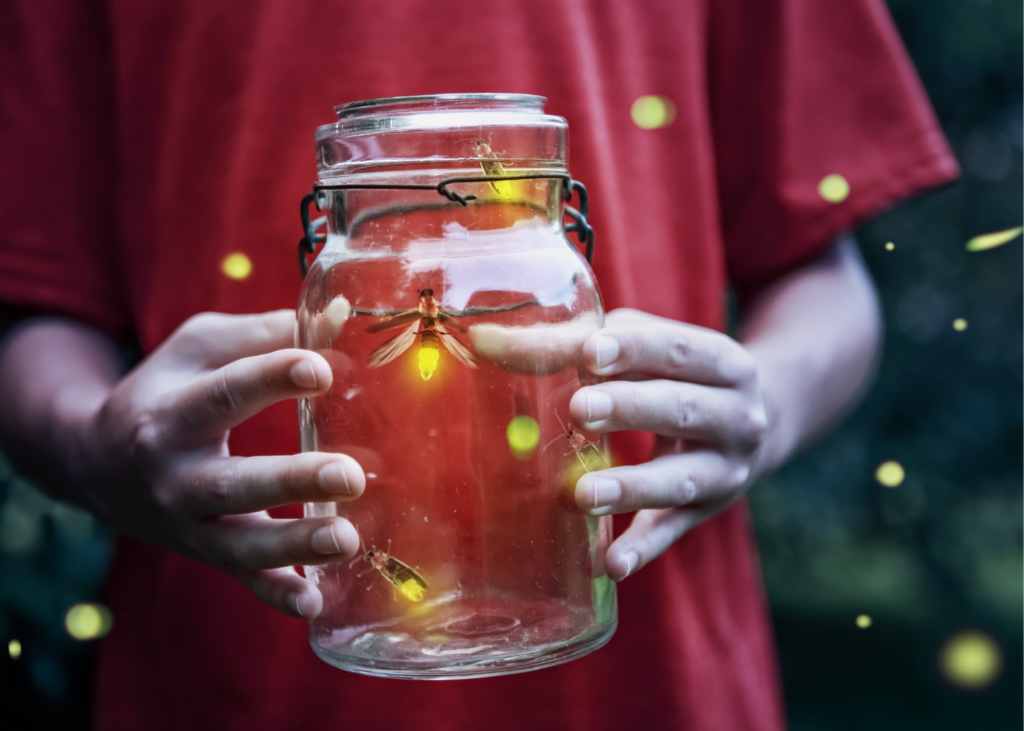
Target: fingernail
(599, 405)
(607, 351)
(632, 560)
(302, 374)
(325, 542)
(606, 492)
(334, 479)
(292, 600)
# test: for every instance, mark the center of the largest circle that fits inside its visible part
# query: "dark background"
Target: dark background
(939, 554)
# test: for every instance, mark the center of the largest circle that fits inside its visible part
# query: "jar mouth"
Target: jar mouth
(399, 105)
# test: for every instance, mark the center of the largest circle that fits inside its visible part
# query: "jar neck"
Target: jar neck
(389, 218)
(450, 132)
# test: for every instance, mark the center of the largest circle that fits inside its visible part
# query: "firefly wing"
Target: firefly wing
(592, 458)
(393, 347)
(403, 572)
(450, 321)
(462, 354)
(397, 321)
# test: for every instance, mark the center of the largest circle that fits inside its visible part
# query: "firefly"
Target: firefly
(398, 573)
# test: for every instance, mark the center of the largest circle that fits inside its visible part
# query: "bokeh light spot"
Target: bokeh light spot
(88, 621)
(994, 239)
(834, 188)
(890, 246)
(864, 621)
(651, 112)
(890, 474)
(14, 649)
(959, 324)
(236, 266)
(523, 435)
(970, 659)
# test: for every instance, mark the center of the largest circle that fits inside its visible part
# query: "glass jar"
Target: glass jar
(451, 308)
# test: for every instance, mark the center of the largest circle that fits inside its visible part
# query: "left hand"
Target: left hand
(698, 391)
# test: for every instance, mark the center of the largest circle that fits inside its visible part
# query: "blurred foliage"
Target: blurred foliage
(939, 553)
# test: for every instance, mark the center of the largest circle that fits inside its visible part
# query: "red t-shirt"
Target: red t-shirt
(144, 142)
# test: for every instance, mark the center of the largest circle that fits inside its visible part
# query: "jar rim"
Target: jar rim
(529, 102)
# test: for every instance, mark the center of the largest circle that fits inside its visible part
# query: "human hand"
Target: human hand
(695, 388)
(154, 458)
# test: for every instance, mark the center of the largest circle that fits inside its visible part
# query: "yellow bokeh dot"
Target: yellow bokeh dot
(834, 188)
(890, 246)
(88, 621)
(970, 659)
(890, 474)
(14, 649)
(236, 266)
(523, 436)
(651, 112)
(864, 621)
(959, 324)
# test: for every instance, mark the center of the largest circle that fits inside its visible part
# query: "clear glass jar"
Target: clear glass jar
(453, 327)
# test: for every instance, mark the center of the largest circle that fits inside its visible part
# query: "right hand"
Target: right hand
(155, 463)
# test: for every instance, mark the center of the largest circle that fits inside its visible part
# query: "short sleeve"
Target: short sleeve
(801, 91)
(57, 232)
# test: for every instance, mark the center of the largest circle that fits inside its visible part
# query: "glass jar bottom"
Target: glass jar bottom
(466, 639)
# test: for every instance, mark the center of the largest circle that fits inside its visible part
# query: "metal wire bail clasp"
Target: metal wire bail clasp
(310, 237)
(310, 227)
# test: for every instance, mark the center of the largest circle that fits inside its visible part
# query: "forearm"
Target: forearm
(54, 374)
(815, 336)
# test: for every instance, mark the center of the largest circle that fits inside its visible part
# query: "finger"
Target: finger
(671, 481)
(668, 349)
(536, 349)
(213, 339)
(235, 485)
(672, 409)
(223, 399)
(286, 591)
(252, 542)
(650, 534)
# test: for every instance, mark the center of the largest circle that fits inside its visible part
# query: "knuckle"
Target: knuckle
(680, 349)
(147, 440)
(200, 323)
(739, 476)
(753, 426)
(684, 410)
(687, 489)
(738, 365)
(219, 490)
